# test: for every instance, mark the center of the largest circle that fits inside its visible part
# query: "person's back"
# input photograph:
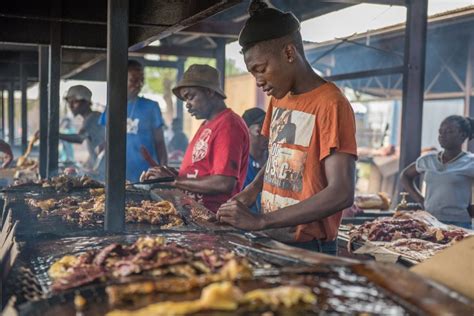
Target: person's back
(96, 135)
(179, 142)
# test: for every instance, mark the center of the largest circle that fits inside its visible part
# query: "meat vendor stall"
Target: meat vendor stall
(64, 265)
(73, 246)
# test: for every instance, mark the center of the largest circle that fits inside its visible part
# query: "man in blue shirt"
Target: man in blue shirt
(144, 126)
(258, 148)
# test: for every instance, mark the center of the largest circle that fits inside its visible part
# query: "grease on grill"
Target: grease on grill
(339, 289)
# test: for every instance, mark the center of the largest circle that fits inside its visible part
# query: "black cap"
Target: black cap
(254, 116)
(265, 24)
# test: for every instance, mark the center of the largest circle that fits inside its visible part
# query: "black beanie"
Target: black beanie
(265, 24)
(253, 116)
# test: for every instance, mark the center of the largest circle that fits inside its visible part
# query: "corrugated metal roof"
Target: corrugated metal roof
(433, 21)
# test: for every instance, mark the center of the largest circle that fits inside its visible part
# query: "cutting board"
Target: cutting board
(453, 267)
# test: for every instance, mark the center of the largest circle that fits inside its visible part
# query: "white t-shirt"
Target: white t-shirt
(448, 186)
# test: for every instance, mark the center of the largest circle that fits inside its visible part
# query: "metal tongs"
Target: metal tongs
(154, 181)
(169, 174)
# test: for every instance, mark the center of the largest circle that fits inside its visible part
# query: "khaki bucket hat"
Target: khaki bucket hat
(203, 76)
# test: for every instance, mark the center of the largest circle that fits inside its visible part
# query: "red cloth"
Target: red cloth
(220, 147)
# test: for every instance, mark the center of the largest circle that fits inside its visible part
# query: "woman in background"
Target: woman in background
(449, 174)
(7, 152)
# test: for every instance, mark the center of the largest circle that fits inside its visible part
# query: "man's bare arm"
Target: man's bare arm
(160, 146)
(210, 185)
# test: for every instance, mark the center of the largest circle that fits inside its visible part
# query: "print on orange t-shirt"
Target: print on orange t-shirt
(303, 130)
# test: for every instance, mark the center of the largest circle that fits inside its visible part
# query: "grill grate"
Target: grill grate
(340, 290)
(32, 227)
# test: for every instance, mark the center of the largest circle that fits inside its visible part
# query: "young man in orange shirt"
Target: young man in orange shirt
(309, 176)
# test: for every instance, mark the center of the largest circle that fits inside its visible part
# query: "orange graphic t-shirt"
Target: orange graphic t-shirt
(303, 130)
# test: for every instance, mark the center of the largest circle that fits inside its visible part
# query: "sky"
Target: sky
(356, 19)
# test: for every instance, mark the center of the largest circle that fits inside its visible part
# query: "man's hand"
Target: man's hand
(158, 172)
(238, 215)
(247, 197)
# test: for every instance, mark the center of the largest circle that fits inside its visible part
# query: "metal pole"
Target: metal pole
(54, 99)
(43, 113)
(413, 81)
(179, 102)
(11, 114)
(116, 129)
(220, 60)
(3, 114)
(24, 109)
(469, 99)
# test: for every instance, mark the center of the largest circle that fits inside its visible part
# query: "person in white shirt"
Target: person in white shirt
(448, 174)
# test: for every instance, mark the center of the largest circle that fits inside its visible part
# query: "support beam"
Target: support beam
(367, 73)
(220, 60)
(224, 29)
(3, 114)
(469, 99)
(24, 108)
(413, 82)
(179, 102)
(116, 129)
(54, 98)
(383, 2)
(43, 112)
(84, 27)
(177, 51)
(195, 11)
(157, 63)
(11, 114)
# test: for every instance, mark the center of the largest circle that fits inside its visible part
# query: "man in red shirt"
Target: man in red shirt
(215, 163)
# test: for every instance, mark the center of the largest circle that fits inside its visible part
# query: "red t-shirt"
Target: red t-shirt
(220, 147)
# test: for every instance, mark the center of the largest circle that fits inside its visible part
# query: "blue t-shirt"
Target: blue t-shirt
(252, 171)
(143, 116)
